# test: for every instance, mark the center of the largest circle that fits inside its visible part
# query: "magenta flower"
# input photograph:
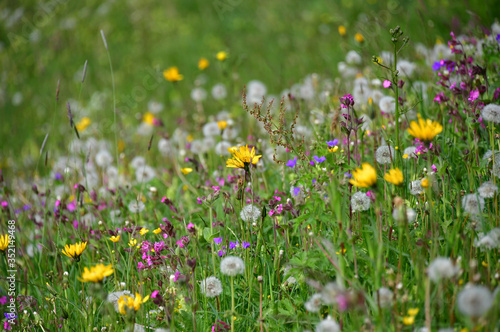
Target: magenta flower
(190, 225)
(474, 94)
(387, 84)
(180, 244)
(245, 245)
(218, 240)
(153, 295)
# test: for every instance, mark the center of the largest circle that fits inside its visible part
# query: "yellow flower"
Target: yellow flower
(127, 302)
(115, 238)
(395, 176)
(342, 30)
(425, 130)
(359, 37)
(74, 250)
(143, 231)
(409, 320)
(242, 157)
(83, 124)
(189, 138)
(148, 118)
(364, 177)
(172, 74)
(221, 56)
(405, 156)
(157, 231)
(96, 273)
(413, 311)
(334, 149)
(203, 64)
(424, 183)
(186, 170)
(4, 242)
(132, 242)
(222, 124)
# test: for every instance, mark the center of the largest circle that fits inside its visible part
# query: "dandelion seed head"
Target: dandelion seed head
(219, 91)
(416, 187)
(491, 113)
(473, 203)
(406, 67)
(314, 303)
(387, 104)
(328, 325)
(383, 297)
(211, 129)
(360, 201)
(398, 214)
(442, 268)
(145, 174)
(330, 293)
(103, 158)
(211, 287)
(474, 301)
(232, 266)
(352, 57)
(198, 94)
(137, 162)
(136, 207)
(488, 190)
(385, 154)
(250, 213)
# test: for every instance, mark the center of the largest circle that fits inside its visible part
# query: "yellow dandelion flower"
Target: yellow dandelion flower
(143, 231)
(4, 242)
(409, 320)
(242, 157)
(222, 125)
(342, 30)
(96, 273)
(203, 64)
(74, 250)
(157, 231)
(424, 183)
(130, 303)
(186, 170)
(172, 74)
(405, 156)
(115, 238)
(359, 37)
(395, 176)
(132, 242)
(364, 177)
(148, 118)
(221, 56)
(425, 130)
(413, 311)
(83, 124)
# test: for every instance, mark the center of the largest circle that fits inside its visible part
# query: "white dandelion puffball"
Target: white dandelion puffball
(490, 240)
(232, 266)
(136, 207)
(230, 133)
(103, 158)
(416, 187)
(330, 293)
(387, 104)
(353, 58)
(383, 297)
(145, 174)
(155, 107)
(474, 301)
(405, 67)
(491, 113)
(137, 162)
(221, 148)
(442, 268)
(411, 151)
(473, 203)
(115, 296)
(250, 213)
(399, 215)
(198, 94)
(360, 202)
(256, 90)
(314, 303)
(165, 147)
(385, 154)
(219, 91)
(211, 129)
(488, 190)
(211, 287)
(328, 325)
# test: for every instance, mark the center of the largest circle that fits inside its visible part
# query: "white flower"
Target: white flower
(385, 154)
(197, 147)
(219, 91)
(230, 133)
(488, 190)
(346, 71)
(211, 129)
(411, 152)
(490, 240)
(137, 162)
(250, 213)
(398, 214)
(103, 158)
(136, 207)
(165, 147)
(360, 202)
(232, 266)
(383, 297)
(223, 116)
(198, 94)
(353, 57)
(328, 325)
(387, 104)
(361, 93)
(405, 67)
(473, 203)
(115, 296)
(145, 174)
(155, 107)
(416, 187)
(474, 301)
(376, 96)
(256, 90)
(306, 91)
(211, 287)
(442, 268)
(314, 303)
(491, 112)
(221, 148)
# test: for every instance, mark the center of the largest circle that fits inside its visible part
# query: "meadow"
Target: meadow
(249, 166)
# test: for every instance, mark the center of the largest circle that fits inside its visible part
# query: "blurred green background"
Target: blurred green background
(277, 42)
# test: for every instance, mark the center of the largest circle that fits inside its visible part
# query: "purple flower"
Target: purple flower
(498, 38)
(176, 275)
(437, 65)
(218, 240)
(474, 94)
(140, 266)
(331, 144)
(387, 84)
(233, 245)
(348, 175)
(319, 160)
(58, 176)
(222, 252)
(347, 101)
(296, 191)
(434, 168)
(3, 300)
(246, 244)
(291, 163)
(153, 295)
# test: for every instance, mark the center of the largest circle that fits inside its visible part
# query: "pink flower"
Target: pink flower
(190, 225)
(474, 94)
(153, 295)
(387, 84)
(140, 266)
(180, 244)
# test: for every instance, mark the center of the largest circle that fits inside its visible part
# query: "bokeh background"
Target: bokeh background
(277, 42)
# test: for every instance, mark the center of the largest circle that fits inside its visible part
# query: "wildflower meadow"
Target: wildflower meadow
(249, 166)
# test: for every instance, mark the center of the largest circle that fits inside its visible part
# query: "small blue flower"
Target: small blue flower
(296, 191)
(246, 244)
(331, 144)
(319, 160)
(233, 245)
(291, 163)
